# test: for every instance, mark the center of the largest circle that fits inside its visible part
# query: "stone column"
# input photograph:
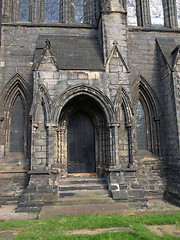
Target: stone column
(114, 150)
(58, 146)
(68, 11)
(157, 122)
(0, 18)
(143, 13)
(33, 163)
(51, 146)
(62, 151)
(170, 13)
(131, 144)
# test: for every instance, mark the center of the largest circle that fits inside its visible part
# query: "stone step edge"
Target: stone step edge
(88, 191)
(83, 185)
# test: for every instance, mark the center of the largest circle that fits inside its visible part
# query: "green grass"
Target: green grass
(54, 228)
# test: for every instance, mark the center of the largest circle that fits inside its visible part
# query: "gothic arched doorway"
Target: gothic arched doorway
(80, 144)
(83, 137)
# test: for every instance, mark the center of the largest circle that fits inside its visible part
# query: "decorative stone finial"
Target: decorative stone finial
(48, 44)
(115, 42)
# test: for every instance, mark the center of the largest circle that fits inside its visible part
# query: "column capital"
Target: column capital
(51, 125)
(114, 124)
(129, 124)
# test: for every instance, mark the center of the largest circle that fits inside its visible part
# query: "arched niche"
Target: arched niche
(141, 131)
(17, 126)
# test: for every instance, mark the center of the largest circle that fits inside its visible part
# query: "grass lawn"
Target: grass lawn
(55, 228)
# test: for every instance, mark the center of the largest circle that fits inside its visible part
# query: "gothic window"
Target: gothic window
(17, 126)
(24, 12)
(140, 127)
(156, 11)
(131, 13)
(51, 10)
(178, 12)
(78, 11)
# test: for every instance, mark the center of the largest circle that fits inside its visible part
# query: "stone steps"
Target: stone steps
(9, 200)
(82, 187)
(83, 190)
(82, 200)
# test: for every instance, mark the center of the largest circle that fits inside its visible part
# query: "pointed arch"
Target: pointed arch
(142, 91)
(45, 56)
(115, 49)
(16, 87)
(122, 98)
(92, 92)
(149, 96)
(41, 98)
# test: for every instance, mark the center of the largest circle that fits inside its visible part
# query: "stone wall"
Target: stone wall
(130, 55)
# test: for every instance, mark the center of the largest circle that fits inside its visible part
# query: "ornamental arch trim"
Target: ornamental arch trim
(141, 90)
(16, 86)
(122, 98)
(103, 101)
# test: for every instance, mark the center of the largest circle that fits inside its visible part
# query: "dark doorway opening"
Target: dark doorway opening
(81, 144)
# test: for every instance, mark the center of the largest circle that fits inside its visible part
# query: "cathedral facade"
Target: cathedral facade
(89, 88)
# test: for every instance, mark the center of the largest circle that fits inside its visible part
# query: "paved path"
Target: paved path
(54, 211)
(7, 212)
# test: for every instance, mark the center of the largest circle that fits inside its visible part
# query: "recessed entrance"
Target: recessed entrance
(81, 144)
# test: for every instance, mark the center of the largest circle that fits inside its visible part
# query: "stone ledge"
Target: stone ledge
(44, 24)
(122, 170)
(43, 172)
(39, 172)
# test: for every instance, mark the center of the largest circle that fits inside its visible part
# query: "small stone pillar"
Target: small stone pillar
(170, 13)
(159, 150)
(51, 129)
(131, 144)
(143, 13)
(34, 128)
(114, 141)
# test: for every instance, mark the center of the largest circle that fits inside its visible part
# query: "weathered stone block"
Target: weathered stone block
(120, 195)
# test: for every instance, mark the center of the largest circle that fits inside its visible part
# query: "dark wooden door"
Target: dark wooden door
(80, 140)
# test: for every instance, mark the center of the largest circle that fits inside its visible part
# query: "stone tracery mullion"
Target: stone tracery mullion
(143, 13)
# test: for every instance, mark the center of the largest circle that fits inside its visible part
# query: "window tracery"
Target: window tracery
(51, 10)
(24, 10)
(78, 11)
(178, 13)
(156, 11)
(141, 127)
(131, 13)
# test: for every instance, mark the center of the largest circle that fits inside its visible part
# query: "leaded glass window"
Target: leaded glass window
(156, 11)
(131, 13)
(140, 127)
(178, 12)
(78, 11)
(24, 10)
(17, 126)
(51, 10)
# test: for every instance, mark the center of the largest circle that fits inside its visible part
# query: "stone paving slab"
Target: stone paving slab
(7, 213)
(98, 231)
(55, 211)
